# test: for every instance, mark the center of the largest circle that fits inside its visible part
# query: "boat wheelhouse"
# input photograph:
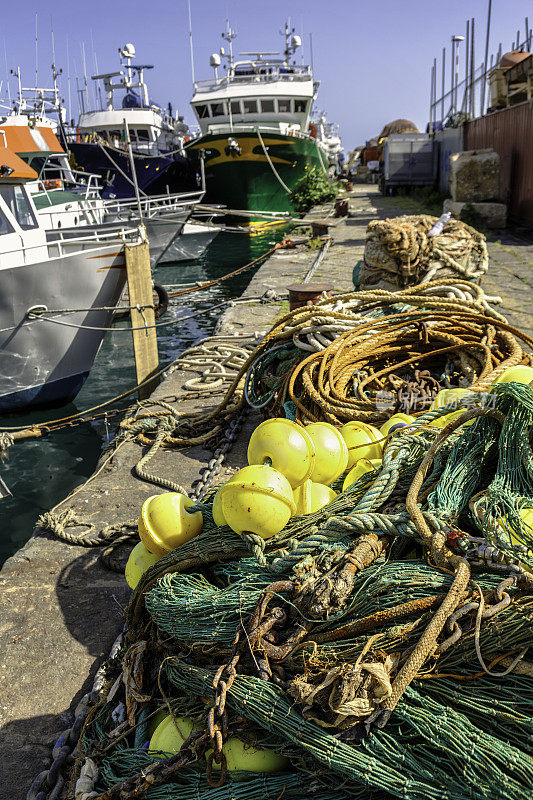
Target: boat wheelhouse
(157, 136)
(254, 124)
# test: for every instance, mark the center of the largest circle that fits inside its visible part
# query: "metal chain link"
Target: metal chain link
(201, 486)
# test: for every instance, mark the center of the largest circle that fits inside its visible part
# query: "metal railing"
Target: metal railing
(302, 74)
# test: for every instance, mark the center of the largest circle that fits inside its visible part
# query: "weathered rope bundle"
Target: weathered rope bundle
(379, 347)
(308, 329)
(399, 252)
(380, 645)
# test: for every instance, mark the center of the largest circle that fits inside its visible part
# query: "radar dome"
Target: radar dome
(214, 60)
(128, 51)
(296, 41)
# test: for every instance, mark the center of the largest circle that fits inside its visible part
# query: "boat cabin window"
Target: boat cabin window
(217, 109)
(250, 106)
(235, 107)
(17, 201)
(267, 106)
(113, 137)
(143, 135)
(300, 106)
(202, 111)
(5, 225)
(284, 105)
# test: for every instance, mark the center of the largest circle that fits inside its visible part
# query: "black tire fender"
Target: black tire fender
(162, 300)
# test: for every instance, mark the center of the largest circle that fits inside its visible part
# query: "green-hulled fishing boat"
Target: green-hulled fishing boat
(255, 131)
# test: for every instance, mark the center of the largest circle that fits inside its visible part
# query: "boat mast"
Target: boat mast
(229, 35)
(191, 48)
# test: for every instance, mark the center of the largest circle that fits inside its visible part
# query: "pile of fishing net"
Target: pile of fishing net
(401, 252)
(375, 648)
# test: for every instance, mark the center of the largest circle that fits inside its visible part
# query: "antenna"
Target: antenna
(191, 47)
(97, 91)
(86, 90)
(68, 85)
(7, 72)
(55, 73)
(229, 35)
(36, 62)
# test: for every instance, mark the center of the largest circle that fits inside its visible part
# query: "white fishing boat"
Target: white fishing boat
(56, 297)
(192, 242)
(67, 199)
(328, 134)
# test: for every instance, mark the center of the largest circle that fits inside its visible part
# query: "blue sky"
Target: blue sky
(373, 59)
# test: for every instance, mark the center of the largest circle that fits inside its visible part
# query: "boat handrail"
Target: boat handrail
(245, 127)
(273, 77)
(159, 201)
(120, 235)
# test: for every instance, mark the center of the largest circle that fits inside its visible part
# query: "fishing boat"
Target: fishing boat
(157, 136)
(254, 123)
(66, 198)
(328, 134)
(56, 297)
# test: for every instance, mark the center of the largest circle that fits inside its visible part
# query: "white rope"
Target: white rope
(273, 168)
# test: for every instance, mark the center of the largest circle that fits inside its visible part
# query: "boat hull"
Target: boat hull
(243, 178)
(191, 243)
(44, 363)
(155, 174)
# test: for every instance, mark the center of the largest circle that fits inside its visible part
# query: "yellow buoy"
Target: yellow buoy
(154, 721)
(311, 497)
(259, 500)
(331, 453)
(165, 523)
(241, 756)
(170, 734)
(444, 398)
(218, 514)
(362, 440)
(397, 420)
(287, 446)
(516, 375)
(526, 515)
(139, 561)
(360, 468)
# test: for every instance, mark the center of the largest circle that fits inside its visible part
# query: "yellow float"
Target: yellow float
(516, 374)
(331, 453)
(362, 441)
(259, 500)
(165, 523)
(398, 420)
(363, 466)
(241, 756)
(526, 514)
(284, 445)
(218, 514)
(311, 497)
(139, 561)
(444, 398)
(154, 721)
(170, 734)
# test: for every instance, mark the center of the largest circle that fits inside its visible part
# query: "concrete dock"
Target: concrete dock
(60, 609)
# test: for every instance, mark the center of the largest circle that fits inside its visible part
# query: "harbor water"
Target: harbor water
(41, 472)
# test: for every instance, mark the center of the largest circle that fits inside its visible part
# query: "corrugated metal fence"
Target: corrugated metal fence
(510, 133)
